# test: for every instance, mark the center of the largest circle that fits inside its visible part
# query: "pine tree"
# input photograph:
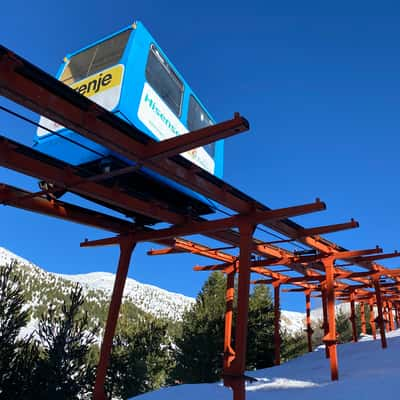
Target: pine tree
(63, 371)
(343, 327)
(17, 357)
(140, 360)
(260, 337)
(199, 351)
(293, 345)
(358, 319)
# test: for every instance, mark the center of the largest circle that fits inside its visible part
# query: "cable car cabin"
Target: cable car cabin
(128, 74)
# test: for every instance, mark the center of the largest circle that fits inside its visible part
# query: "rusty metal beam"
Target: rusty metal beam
(360, 260)
(277, 317)
(330, 338)
(379, 305)
(352, 275)
(199, 249)
(202, 227)
(238, 364)
(309, 329)
(198, 138)
(19, 198)
(320, 230)
(372, 317)
(353, 317)
(126, 249)
(340, 255)
(15, 156)
(263, 281)
(362, 317)
(325, 316)
(164, 251)
(229, 352)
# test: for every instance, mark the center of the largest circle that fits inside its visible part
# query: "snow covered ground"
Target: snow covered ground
(366, 372)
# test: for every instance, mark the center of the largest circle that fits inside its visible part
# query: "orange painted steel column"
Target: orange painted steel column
(277, 325)
(308, 320)
(386, 316)
(353, 317)
(379, 305)
(396, 311)
(229, 353)
(363, 322)
(391, 319)
(330, 339)
(126, 249)
(372, 318)
(234, 374)
(325, 317)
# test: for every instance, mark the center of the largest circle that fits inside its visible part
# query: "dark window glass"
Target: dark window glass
(164, 80)
(95, 59)
(197, 119)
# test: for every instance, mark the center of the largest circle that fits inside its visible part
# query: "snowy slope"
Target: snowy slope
(317, 313)
(151, 299)
(6, 256)
(366, 372)
(292, 321)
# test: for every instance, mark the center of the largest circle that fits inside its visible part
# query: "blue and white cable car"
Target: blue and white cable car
(128, 74)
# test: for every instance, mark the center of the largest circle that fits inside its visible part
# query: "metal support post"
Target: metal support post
(386, 316)
(308, 320)
(325, 317)
(229, 353)
(277, 317)
(379, 305)
(372, 318)
(353, 317)
(330, 339)
(391, 318)
(363, 322)
(234, 374)
(126, 249)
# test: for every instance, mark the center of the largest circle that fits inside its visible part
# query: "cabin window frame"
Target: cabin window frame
(193, 107)
(92, 53)
(156, 80)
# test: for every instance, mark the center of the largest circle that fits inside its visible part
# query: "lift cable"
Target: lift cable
(30, 121)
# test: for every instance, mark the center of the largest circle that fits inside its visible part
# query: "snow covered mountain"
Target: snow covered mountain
(292, 321)
(150, 299)
(98, 287)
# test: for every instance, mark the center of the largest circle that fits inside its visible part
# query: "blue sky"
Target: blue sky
(318, 82)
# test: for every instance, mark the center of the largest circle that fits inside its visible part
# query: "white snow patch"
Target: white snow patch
(365, 372)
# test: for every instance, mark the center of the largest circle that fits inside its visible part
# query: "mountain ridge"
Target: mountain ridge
(98, 287)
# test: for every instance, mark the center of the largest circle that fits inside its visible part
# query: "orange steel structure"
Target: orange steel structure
(318, 274)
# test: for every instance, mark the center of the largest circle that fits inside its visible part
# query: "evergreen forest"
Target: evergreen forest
(57, 359)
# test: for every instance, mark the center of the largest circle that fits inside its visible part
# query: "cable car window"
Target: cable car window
(197, 119)
(164, 80)
(95, 59)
